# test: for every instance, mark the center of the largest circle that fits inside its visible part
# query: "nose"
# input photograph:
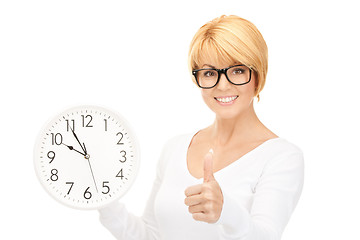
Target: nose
(223, 84)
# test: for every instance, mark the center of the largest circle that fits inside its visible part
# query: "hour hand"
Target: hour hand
(84, 149)
(72, 148)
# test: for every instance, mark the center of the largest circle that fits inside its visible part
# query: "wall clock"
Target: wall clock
(86, 157)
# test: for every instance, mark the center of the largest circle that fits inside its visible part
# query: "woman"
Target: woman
(241, 181)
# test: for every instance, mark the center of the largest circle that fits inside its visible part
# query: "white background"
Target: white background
(131, 56)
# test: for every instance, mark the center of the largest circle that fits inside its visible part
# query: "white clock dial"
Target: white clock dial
(86, 157)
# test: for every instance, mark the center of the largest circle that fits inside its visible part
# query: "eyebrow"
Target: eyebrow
(208, 66)
(211, 66)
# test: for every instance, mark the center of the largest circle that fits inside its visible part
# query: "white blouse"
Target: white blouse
(260, 189)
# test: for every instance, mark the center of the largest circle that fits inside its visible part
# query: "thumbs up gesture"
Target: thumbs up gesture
(205, 200)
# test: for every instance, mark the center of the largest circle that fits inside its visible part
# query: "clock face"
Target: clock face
(86, 157)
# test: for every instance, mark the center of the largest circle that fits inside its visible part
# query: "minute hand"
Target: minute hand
(78, 140)
(72, 148)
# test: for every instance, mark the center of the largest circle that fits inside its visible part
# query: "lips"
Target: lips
(226, 99)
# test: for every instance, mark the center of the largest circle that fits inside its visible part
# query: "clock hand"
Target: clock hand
(72, 148)
(92, 173)
(85, 149)
(87, 156)
(77, 140)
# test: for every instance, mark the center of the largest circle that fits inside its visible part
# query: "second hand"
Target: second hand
(92, 175)
(87, 157)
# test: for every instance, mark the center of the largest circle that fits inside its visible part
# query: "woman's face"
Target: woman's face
(238, 98)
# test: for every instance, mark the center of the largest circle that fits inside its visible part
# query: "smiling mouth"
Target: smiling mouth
(226, 99)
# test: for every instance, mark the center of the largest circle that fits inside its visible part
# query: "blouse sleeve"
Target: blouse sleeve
(277, 193)
(124, 225)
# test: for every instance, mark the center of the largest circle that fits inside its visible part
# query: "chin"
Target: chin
(227, 113)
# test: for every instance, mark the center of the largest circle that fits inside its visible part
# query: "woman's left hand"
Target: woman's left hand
(205, 200)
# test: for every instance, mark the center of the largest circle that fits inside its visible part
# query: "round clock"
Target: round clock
(87, 157)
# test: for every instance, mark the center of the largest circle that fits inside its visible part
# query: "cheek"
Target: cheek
(204, 93)
(207, 96)
(207, 93)
(248, 90)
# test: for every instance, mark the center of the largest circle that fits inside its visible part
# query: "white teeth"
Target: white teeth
(227, 99)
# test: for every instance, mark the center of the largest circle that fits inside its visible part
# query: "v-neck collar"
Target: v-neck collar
(192, 135)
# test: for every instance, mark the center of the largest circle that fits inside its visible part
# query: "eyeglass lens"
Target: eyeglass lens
(209, 77)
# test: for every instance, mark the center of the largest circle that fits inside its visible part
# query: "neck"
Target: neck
(242, 128)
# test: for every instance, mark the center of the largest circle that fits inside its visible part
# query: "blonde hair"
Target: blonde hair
(231, 39)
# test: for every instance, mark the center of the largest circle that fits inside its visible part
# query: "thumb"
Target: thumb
(208, 167)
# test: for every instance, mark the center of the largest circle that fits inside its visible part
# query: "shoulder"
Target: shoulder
(282, 153)
(284, 146)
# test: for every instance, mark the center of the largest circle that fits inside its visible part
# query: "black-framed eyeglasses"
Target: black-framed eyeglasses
(209, 77)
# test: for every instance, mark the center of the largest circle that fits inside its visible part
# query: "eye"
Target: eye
(237, 71)
(209, 73)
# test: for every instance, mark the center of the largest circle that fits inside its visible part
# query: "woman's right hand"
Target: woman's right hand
(205, 201)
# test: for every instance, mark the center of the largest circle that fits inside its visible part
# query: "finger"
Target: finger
(193, 200)
(199, 208)
(192, 190)
(200, 216)
(208, 167)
